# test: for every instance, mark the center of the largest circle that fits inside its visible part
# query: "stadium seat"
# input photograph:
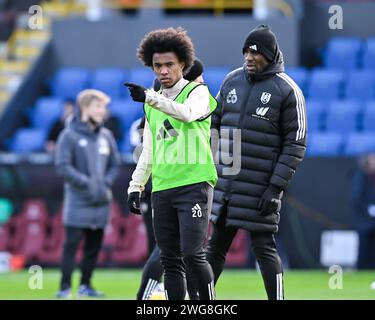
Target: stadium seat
(111, 81)
(34, 237)
(315, 114)
(237, 254)
(300, 76)
(34, 210)
(324, 144)
(360, 84)
(368, 120)
(14, 237)
(133, 247)
(213, 77)
(368, 61)
(47, 111)
(4, 237)
(141, 76)
(325, 84)
(343, 115)
(359, 143)
(68, 82)
(110, 239)
(31, 229)
(53, 244)
(28, 140)
(342, 53)
(115, 212)
(127, 111)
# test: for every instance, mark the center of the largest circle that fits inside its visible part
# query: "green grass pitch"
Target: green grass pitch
(233, 285)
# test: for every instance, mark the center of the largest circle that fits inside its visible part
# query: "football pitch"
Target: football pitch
(233, 285)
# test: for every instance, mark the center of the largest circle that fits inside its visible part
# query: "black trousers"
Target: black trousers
(152, 274)
(264, 247)
(92, 244)
(180, 220)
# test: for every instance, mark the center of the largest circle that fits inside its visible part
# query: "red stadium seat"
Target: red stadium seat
(132, 246)
(53, 246)
(110, 240)
(29, 230)
(34, 237)
(4, 237)
(115, 213)
(237, 254)
(34, 210)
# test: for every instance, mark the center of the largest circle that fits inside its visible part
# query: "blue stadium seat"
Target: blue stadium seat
(111, 81)
(342, 53)
(315, 114)
(360, 84)
(127, 111)
(47, 111)
(300, 76)
(343, 115)
(213, 77)
(68, 82)
(142, 76)
(325, 84)
(28, 140)
(125, 146)
(359, 143)
(368, 120)
(324, 144)
(368, 61)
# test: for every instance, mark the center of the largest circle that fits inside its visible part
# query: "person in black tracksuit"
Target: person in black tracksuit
(182, 187)
(268, 108)
(153, 270)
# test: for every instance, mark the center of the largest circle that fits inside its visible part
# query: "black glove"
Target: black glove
(270, 202)
(136, 92)
(134, 202)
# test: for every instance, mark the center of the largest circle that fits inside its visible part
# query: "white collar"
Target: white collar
(175, 90)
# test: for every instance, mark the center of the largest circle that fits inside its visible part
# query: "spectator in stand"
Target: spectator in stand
(59, 125)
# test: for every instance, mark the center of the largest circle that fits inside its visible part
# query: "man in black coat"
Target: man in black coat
(262, 121)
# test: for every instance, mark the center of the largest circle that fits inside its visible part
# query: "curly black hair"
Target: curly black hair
(167, 40)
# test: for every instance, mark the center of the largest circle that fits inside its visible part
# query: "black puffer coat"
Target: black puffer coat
(269, 110)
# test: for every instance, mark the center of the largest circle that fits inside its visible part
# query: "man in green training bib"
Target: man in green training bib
(176, 151)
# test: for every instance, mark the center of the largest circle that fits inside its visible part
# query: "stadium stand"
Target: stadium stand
(342, 53)
(325, 144)
(368, 60)
(214, 76)
(325, 83)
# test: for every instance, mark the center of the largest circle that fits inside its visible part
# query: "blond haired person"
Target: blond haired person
(87, 159)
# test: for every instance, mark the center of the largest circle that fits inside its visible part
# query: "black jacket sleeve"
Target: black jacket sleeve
(63, 162)
(293, 134)
(114, 162)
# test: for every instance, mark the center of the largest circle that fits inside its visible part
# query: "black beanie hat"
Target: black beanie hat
(195, 71)
(262, 40)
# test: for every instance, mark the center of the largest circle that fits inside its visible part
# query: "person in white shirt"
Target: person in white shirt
(182, 192)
